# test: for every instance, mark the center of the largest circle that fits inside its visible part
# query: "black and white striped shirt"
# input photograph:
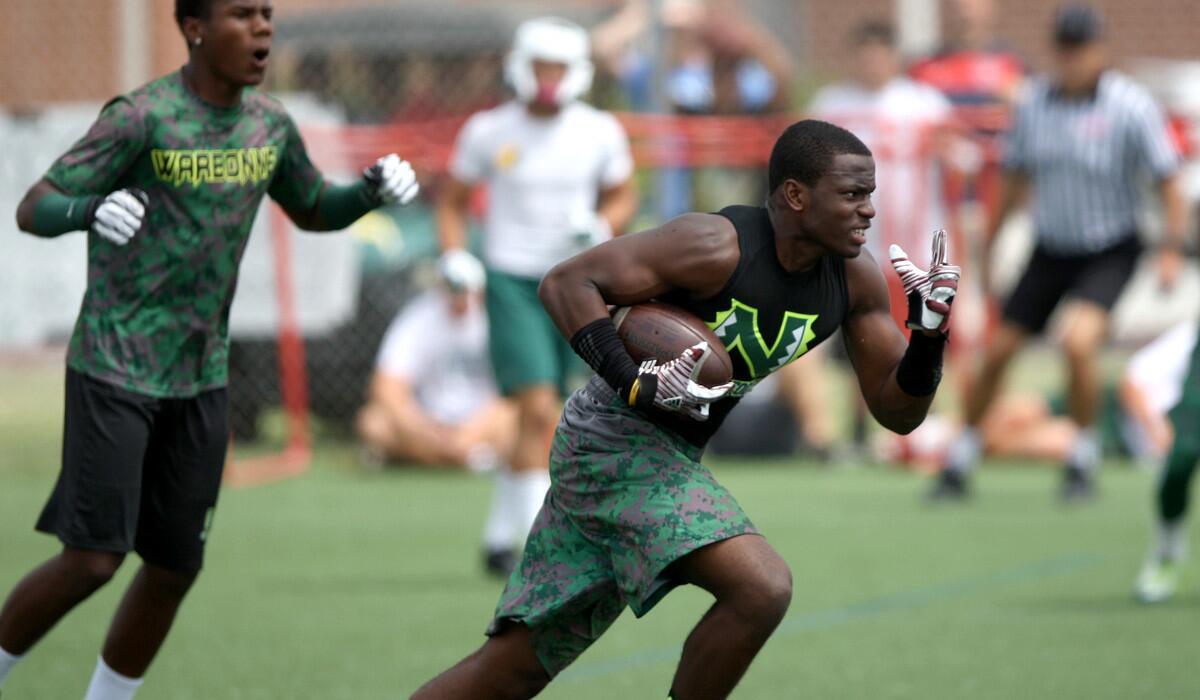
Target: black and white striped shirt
(1084, 157)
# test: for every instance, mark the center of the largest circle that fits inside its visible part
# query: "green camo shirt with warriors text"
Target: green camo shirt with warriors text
(155, 317)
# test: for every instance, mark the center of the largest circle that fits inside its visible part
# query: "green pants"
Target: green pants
(1174, 486)
(525, 346)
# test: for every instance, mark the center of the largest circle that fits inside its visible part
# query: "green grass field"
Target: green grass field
(344, 584)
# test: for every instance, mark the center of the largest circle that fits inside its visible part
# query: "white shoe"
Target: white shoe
(1157, 581)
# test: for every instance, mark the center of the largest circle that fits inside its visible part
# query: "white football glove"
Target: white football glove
(931, 293)
(120, 215)
(392, 180)
(589, 228)
(676, 387)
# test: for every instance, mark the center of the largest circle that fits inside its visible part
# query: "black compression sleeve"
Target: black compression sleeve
(598, 344)
(920, 370)
(342, 205)
(56, 213)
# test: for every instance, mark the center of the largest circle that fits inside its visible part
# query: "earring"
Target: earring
(197, 41)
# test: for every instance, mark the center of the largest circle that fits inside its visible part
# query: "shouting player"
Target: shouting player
(559, 178)
(632, 513)
(167, 183)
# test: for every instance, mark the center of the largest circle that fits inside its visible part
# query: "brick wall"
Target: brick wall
(56, 50)
(1136, 28)
(53, 50)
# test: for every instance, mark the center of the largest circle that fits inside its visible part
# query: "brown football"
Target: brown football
(663, 331)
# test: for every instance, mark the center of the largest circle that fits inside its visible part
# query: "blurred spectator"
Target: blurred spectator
(982, 78)
(1081, 140)
(1131, 422)
(723, 62)
(974, 68)
(719, 61)
(902, 122)
(432, 398)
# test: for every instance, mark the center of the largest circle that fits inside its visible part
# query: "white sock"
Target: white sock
(1172, 545)
(107, 684)
(529, 494)
(965, 451)
(7, 661)
(500, 529)
(1085, 453)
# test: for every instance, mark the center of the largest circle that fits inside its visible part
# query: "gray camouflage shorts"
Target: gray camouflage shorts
(627, 500)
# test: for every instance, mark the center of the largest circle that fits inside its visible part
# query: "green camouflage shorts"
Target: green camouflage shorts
(627, 499)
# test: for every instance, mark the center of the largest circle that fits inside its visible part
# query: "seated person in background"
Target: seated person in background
(1132, 420)
(432, 399)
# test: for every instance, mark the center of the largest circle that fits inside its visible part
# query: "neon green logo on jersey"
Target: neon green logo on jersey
(214, 166)
(738, 329)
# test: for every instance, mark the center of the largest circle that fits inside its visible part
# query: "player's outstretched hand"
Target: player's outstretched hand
(120, 215)
(675, 385)
(931, 293)
(392, 180)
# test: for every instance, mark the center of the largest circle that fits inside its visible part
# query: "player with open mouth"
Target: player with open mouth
(166, 183)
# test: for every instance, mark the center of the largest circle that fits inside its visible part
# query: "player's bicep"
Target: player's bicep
(25, 210)
(694, 252)
(874, 344)
(296, 184)
(624, 271)
(690, 252)
(875, 347)
(96, 163)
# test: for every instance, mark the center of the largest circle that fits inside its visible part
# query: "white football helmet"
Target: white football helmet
(555, 40)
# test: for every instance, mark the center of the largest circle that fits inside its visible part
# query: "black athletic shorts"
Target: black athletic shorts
(1096, 277)
(138, 473)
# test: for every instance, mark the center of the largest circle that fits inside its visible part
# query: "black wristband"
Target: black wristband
(920, 370)
(89, 211)
(598, 344)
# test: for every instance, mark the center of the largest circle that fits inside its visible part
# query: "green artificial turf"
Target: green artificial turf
(347, 584)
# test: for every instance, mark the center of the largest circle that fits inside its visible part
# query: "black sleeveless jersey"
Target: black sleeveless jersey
(765, 315)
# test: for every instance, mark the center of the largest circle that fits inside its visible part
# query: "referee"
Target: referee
(1080, 144)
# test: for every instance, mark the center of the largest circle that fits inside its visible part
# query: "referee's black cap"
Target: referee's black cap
(1076, 25)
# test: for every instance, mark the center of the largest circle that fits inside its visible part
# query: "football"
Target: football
(662, 332)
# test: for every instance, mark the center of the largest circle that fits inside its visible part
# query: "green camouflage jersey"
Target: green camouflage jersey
(155, 317)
